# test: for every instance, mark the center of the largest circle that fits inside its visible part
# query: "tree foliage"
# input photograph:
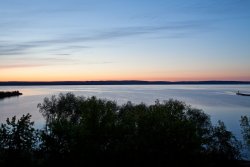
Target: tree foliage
(245, 126)
(18, 139)
(223, 144)
(90, 131)
(94, 130)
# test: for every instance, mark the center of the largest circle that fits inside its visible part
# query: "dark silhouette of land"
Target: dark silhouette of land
(121, 82)
(242, 94)
(9, 94)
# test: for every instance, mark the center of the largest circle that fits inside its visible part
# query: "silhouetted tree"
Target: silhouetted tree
(223, 145)
(245, 130)
(18, 139)
(90, 130)
(245, 126)
(83, 131)
(77, 127)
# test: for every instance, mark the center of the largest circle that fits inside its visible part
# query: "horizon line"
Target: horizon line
(133, 81)
(120, 82)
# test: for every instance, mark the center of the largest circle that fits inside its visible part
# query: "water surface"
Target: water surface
(219, 101)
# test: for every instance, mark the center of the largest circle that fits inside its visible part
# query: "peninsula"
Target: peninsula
(9, 94)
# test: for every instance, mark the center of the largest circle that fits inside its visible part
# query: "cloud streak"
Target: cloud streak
(27, 62)
(79, 41)
(9, 66)
(15, 49)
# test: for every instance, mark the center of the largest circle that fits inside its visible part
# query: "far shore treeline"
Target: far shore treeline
(83, 131)
(120, 82)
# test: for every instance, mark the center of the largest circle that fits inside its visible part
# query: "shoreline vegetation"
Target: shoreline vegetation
(9, 94)
(122, 82)
(242, 94)
(82, 131)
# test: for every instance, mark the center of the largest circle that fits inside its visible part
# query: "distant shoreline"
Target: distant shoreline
(126, 82)
(9, 94)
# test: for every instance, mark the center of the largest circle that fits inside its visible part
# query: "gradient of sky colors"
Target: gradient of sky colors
(59, 40)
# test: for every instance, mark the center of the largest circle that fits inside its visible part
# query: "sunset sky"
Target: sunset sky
(79, 40)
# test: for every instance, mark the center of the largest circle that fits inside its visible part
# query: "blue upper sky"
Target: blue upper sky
(124, 39)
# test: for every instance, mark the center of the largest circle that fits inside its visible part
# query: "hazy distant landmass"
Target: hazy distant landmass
(126, 82)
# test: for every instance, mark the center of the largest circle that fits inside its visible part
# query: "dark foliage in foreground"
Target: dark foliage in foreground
(89, 131)
(245, 126)
(18, 140)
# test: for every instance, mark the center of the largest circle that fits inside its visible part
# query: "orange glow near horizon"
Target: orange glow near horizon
(47, 74)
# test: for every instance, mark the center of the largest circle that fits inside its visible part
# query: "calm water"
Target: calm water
(219, 101)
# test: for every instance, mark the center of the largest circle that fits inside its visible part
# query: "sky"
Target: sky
(168, 40)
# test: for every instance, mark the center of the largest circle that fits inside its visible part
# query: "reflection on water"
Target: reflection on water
(219, 101)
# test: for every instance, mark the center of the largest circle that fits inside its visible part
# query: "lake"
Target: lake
(219, 101)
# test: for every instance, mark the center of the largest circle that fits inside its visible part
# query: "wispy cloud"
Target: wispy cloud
(8, 66)
(15, 49)
(28, 62)
(62, 54)
(97, 62)
(121, 32)
(78, 41)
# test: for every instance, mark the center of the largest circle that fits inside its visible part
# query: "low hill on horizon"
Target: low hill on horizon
(119, 82)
